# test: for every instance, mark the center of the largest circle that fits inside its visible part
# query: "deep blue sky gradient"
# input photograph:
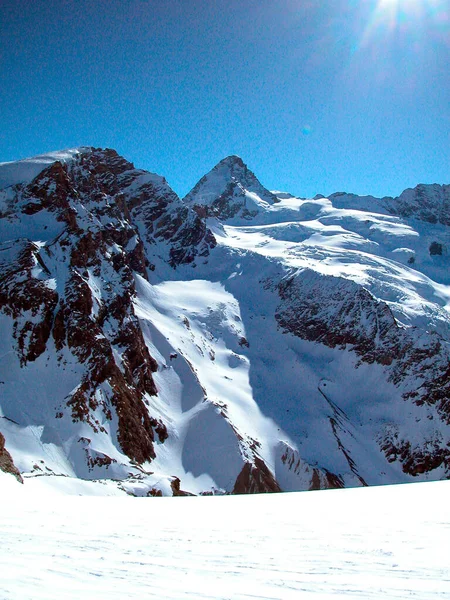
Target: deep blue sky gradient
(315, 96)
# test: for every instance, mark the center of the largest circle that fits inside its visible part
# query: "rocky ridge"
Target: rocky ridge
(73, 291)
(340, 314)
(425, 202)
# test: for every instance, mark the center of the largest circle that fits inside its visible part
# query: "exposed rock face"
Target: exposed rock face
(73, 291)
(175, 485)
(29, 301)
(340, 313)
(425, 202)
(430, 203)
(319, 479)
(255, 478)
(6, 462)
(165, 218)
(230, 190)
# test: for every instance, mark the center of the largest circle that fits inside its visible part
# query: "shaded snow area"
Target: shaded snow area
(195, 330)
(388, 542)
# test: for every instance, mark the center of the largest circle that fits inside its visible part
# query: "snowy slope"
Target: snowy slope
(23, 171)
(390, 542)
(237, 341)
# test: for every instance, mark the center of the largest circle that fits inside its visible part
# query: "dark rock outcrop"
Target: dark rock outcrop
(319, 479)
(176, 491)
(6, 462)
(426, 202)
(255, 478)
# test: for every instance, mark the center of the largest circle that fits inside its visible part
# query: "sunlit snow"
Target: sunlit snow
(27, 169)
(388, 542)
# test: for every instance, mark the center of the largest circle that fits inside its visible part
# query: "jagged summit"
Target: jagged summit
(26, 170)
(427, 202)
(230, 191)
(232, 159)
(77, 184)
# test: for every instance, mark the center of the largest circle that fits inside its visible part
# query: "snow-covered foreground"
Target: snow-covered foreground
(383, 542)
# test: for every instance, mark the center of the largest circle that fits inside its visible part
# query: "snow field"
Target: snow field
(388, 542)
(200, 322)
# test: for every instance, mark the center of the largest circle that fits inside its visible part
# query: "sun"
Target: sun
(402, 5)
(388, 16)
(394, 12)
(411, 9)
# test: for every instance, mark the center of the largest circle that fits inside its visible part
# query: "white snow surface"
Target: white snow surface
(389, 542)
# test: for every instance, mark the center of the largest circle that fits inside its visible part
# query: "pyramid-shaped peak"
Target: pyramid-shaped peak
(230, 190)
(231, 170)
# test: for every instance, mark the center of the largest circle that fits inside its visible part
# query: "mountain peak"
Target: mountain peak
(230, 191)
(426, 202)
(232, 159)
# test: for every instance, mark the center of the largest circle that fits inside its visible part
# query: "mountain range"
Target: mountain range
(238, 340)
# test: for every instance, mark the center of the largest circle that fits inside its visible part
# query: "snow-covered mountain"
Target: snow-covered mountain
(230, 192)
(239, 340)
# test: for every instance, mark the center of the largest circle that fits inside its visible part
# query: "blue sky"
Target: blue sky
(316, 97)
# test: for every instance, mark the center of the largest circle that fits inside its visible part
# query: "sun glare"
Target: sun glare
(407, 7)
(395, 12)
(389, 16)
